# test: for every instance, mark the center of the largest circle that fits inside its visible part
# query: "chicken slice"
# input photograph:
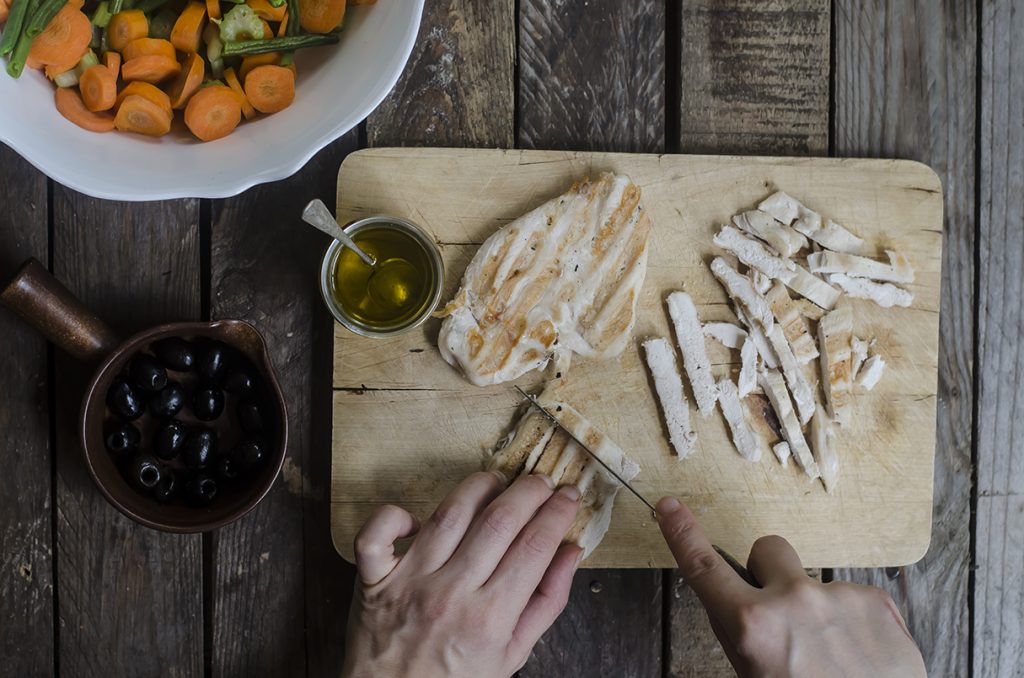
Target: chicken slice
(782, 453)
(741, 290)
(859, 349)
(835, 341)
(871, 373)
(760, 341)
(801, 389)
(823, 445)
(752, 253)
(813, 288)
(690, 337)
(793, 326)
(747, 442)
(898, 270)
(885, 295)
(792, 212)
(748, 368)
(783, 239)
(726, 334)
(775, 388)
(661, 361)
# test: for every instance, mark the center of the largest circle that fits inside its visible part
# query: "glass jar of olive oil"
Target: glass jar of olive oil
(395, 295)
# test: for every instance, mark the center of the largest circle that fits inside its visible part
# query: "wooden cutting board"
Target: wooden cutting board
(407, 427)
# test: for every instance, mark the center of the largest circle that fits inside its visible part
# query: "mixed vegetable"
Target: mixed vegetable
(130, 64)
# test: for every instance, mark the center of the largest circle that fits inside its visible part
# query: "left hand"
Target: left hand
(483, 580)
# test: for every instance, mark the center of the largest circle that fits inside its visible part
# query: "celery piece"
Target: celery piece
(241, 23)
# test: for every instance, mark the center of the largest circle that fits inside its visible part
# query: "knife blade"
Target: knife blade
(554, 420)
(743, 572)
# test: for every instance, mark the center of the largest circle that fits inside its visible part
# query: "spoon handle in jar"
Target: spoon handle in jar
(317, 215)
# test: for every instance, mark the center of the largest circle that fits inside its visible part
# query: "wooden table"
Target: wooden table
(85, 592)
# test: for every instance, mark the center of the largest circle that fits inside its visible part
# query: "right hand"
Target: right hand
(794, 625)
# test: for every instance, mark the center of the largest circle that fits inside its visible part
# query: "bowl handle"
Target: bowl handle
(43, 302)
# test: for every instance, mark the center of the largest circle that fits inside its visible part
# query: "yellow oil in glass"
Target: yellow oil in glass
(396, 291)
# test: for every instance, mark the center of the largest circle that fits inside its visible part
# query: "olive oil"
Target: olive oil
(393, 293)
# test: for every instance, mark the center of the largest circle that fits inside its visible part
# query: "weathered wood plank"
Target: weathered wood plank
(280, 589)
(905, 87)
(999, 540)
(577, 90)
(130, 598)
(755, 77)
(592, 75)
(457, 89)
(26, 591)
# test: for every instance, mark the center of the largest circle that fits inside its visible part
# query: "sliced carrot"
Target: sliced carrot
(282, 28)
(321, 16)
(213, 9)
(70, 105)
(266, 11)
(146, 91)
(131, 24)
(254, 60)
(141, 47)
(53, 70)
(67, 36)
(77, 4)
(247, 110)
(112, 60)
(140, 115)
(213, 112)
(99, 88)
(188, 81)
(4, 11)
(268, 32)
(270, 88)
(33, 64)
(151, 69)
(188, 29)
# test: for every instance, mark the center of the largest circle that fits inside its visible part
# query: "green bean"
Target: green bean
(286, 44)
(42, 17)
(294, 26)
(20, 10)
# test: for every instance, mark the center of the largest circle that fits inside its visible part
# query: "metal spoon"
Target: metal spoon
(381, 285)
(317, 215)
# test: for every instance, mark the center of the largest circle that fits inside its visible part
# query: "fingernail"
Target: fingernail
(579, 558)
(668, 505)
(501, 476)
(547, 479)
(570, 492)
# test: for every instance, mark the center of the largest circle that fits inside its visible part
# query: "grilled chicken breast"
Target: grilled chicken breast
(563, 279)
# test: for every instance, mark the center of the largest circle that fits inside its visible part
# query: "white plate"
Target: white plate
(338, 86)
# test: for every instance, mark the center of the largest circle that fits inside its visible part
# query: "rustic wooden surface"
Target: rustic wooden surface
(999, 538)
(919, 58)
(903, 83)
(575, 92)
(436, 431)
(26, 538)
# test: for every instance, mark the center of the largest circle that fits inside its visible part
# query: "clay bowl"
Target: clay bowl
(47, 305)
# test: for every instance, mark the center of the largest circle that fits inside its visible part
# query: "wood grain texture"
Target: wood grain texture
(26, 591)
(905, 87)
(999, 540)
(755, 77)
(280, 590)
(592, 75)
(130, 598)
(882, 506)
(457, 89)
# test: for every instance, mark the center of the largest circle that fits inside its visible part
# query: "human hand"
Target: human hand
(793, 626)
(484, 578)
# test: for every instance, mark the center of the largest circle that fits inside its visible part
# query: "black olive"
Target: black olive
(250, 416)
(167, 487)
(123, 401)
(168, 402)
(175, 353)
(122, 438)
(169, 439)
(208, 404)
(239, 382)
(211, 361)
(144, 472)
(249, 455)
(200, 449)
(147, 374)
(201, 490)
(227, 467)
